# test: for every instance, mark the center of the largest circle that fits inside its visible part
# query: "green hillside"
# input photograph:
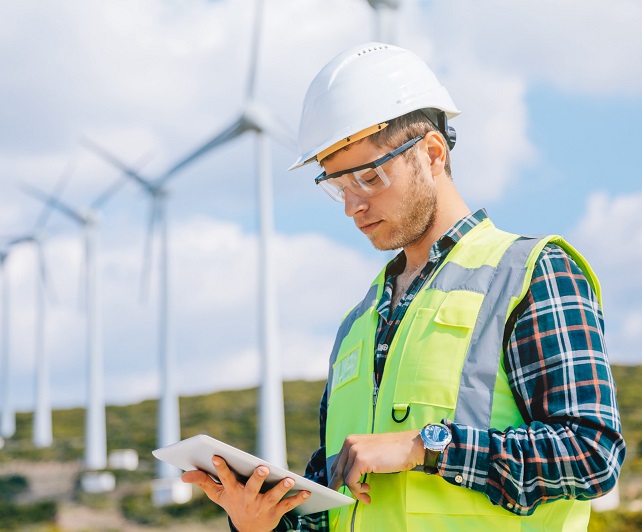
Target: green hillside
(231, 416)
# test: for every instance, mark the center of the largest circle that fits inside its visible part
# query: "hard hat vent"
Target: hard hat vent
(373, 49)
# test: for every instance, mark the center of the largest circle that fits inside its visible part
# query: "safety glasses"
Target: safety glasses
(366, 180)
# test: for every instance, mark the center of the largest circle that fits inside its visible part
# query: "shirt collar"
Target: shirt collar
(443, 244)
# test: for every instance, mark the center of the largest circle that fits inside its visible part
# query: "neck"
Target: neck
(450, 209)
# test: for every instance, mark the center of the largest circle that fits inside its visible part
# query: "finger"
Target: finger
(194, 477)
(358, 488)
(211, 488)
(353, 481)
(255, 482)
(224, 473)
(362, 497)
(338, 463)
(277, 493)
(352, 474)
(292, 502)
(336, 472)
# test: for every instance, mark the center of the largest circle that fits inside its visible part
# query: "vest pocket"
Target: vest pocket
(434, 349)
(432, 502)
(346, 368)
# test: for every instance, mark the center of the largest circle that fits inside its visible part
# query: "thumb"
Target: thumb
(211, 487)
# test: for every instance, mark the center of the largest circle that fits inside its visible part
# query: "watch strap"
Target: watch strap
(431, 459)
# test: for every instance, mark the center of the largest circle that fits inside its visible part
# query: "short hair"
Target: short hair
(404, 128)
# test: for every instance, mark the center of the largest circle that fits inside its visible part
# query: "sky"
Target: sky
(551, 100)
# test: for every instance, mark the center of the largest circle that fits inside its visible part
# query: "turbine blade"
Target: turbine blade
(111, 159)
(106, 195)
(261, 119)
(237, 128)
(62, 182)
(281, 134)
(53, 203)
(19, 240)
(254, 51)
(109, 192)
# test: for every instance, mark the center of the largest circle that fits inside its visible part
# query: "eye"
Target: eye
(369, 177)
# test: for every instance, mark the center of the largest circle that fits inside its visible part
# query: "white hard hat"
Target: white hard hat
(361, 87)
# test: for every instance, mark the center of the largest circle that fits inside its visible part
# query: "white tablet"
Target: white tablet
(196, 453)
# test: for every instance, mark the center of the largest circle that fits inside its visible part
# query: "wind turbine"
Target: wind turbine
(168, 411)
(8, 416)
(254, 117)
(95, 431)
(257, 118)
(42, 433)
(384, 9)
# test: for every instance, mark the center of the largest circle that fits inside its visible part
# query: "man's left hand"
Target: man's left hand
(374, 453)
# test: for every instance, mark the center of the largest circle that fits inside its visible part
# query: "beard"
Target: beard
(418, 210)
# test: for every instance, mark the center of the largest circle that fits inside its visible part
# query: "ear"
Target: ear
(435, 146)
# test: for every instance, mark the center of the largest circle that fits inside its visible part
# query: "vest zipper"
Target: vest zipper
(375, 396)
(354, 515)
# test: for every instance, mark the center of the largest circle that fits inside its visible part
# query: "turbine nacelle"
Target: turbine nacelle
(390, 4)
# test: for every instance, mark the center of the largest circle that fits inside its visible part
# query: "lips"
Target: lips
(368, 227)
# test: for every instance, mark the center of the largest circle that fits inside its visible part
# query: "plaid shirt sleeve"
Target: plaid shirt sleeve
(571, 444)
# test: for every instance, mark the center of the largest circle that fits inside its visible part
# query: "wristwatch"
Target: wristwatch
(436, 438)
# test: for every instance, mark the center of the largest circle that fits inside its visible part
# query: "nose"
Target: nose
(353, 203)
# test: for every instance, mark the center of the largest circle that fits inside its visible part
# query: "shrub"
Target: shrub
(11, 486)
(14, 516)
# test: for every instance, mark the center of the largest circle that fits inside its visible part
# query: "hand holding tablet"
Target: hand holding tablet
(197, 452)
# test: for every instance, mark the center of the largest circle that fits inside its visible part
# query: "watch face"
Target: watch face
(436, 434)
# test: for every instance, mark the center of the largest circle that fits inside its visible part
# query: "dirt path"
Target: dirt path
(56, 481)
(75, 518)
(47, 480)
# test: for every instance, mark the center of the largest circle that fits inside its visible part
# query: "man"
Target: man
(470, 389)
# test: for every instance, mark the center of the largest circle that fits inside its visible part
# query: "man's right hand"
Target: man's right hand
(248, 508)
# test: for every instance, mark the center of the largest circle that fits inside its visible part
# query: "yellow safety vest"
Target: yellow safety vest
(444, 362)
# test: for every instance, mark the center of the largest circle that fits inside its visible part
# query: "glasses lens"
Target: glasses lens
(372, 181)
(364, 183)
(333, 190)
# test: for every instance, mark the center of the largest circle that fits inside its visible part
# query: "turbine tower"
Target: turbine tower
(95, 427)
(8, 415)
(42, 433)
(385, 15)
(255, 117)
(42, 429)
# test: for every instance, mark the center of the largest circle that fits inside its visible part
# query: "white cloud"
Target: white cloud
(609, 234)
(612, 223)
(588, 49)
(494, 146)
(632, 328)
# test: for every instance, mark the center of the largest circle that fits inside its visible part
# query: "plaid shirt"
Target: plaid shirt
(555, 358)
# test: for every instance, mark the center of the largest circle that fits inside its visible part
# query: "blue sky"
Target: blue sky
(551, 100)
